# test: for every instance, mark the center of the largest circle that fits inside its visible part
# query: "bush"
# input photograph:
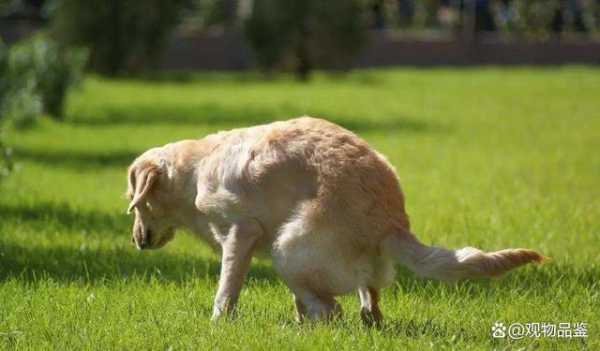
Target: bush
(123, 36)
(19, 103)
(6, 164)
(35, 77)
(4, 84)
(305, 34)
(39, 74)
(5, 159)
(535, 17)
(22, 106)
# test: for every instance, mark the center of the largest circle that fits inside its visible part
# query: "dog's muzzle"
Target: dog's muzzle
(144, 240)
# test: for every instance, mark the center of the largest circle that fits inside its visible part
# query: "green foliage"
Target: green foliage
(19, 103)
(39, 74)
(23, 105)
(534, 16)
(6, 162)
(36, 75)
(4, 84)
(5, 159)
(305, 34)
(123, 36)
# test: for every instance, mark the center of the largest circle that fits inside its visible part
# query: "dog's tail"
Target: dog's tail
(443, 264)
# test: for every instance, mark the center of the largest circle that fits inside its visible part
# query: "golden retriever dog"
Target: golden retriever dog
(324, 205)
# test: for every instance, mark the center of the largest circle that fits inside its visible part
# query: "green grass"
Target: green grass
(490, 157)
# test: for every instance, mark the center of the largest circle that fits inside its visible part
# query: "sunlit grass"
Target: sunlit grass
(489, 157)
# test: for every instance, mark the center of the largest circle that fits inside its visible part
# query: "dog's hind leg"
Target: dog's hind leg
(369, 306)
(318, 310)
(313, 307)
(300, 309)
(312, 268)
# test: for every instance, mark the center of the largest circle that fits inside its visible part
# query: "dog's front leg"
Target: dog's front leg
(237, 250)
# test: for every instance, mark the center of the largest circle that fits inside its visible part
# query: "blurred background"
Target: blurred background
(134, 35)
(54, 41)
(488, 109)
(46, 46)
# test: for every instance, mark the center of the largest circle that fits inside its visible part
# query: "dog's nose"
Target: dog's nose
(146, 240)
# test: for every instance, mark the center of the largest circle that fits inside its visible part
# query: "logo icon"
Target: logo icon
(498, 330)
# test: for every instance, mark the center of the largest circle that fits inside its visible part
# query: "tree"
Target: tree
(535, 16)
(122, 35)
(305, 34)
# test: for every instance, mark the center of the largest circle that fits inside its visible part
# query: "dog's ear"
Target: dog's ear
(141, 178)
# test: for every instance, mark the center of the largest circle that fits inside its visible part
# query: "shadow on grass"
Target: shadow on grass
(359, 77)
(62, 216)
(104, 265)
(531, 280)
(183, 76)
(220, 116)
(86, 160)
(76, 159)
(30, 263)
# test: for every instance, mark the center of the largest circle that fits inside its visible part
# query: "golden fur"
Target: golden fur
(317, 198)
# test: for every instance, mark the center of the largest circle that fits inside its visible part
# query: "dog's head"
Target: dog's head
(148, 192)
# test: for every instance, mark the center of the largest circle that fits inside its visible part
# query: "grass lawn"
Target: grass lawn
(490, 157)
